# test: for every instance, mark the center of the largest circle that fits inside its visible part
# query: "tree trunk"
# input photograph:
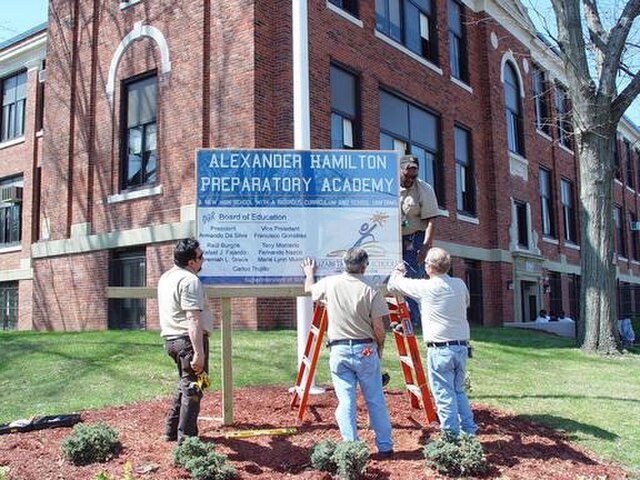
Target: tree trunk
(597, 326)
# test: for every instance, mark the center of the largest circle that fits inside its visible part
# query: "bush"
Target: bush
(190, 448)
(456, 456)
(4, 473)
(90, 444)
(351, 459)
(201, 460)
(210, 467)
(322, 456)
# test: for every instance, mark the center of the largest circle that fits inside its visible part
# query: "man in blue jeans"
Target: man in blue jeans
(355, 312)
(443, 305)
(418, 209)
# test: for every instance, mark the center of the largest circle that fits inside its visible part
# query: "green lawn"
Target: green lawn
(540, 377)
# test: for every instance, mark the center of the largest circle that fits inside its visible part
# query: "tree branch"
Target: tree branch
(615, 46)
(624, 99)
(597, 33)
(571, 40)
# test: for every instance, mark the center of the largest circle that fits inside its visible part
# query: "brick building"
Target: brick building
(104, 106)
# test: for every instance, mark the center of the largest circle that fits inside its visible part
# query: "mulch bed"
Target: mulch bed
(515, 449)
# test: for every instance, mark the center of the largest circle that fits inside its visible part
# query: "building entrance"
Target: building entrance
(529, 301)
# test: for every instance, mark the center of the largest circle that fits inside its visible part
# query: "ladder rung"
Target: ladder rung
(306, 361)
(406, 360)
(415, 390)
(315, 330)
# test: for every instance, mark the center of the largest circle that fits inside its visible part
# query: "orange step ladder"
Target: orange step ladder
(410, 362)
(309, 360)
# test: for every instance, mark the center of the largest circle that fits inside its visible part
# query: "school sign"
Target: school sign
(260, 212)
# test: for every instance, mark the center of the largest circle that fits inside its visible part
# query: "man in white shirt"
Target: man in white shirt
(356, 335)
(443, 303)
(185, 323)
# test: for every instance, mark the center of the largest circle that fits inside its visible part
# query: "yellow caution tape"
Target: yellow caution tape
(257, 433)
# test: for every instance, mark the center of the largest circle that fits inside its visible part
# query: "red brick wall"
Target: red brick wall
(18, 159)
(230, 85)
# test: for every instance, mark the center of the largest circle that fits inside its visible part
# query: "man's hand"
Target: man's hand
(309, 267)
(422, 254)
(400, 268)
(197, 363)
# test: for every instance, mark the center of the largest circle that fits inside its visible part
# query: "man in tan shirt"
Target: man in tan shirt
(185, 323)
(418, 208)
(355, 312)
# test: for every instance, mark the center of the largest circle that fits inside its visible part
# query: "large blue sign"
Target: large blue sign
(260, 212)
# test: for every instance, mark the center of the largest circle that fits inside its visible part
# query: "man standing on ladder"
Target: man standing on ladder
(418, 208)
(356, 333)
(443, 302)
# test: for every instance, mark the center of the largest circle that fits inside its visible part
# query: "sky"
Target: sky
(17, 16)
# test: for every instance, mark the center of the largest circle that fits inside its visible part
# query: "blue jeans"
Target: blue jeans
(348, 367)
(446, 376)
(411, 244)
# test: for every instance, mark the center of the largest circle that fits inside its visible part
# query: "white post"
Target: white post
(302, 140)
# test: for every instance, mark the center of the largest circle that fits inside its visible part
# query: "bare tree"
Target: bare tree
(598, 106)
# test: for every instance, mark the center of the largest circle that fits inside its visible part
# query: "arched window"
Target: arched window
(513, 110)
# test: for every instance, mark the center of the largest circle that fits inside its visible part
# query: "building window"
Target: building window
(139, 132)
(634, 227)
(616, 160)
(473, 279)
(9, 305)
(513, 106)
(540, 99)
(411, 23)
(127, 268)
(344, 107)
(465, 188)
(411, 129)
(10, 211)
(457, 42)
(350, 6)
(625, 303)
(14, 100)
(563, 109)
(522, 224)
(628, 161)
(546, 204)
(555, 294)
(618, 225)
(42, 73)
(568, 211)
(638, 167)
(574, 296)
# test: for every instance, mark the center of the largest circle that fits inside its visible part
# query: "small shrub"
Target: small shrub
(456, 456)
(190, 448)
(90, 443)
(322, 456)
(351, 459)
(4, 473)
(210, 467)
(201, 460)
